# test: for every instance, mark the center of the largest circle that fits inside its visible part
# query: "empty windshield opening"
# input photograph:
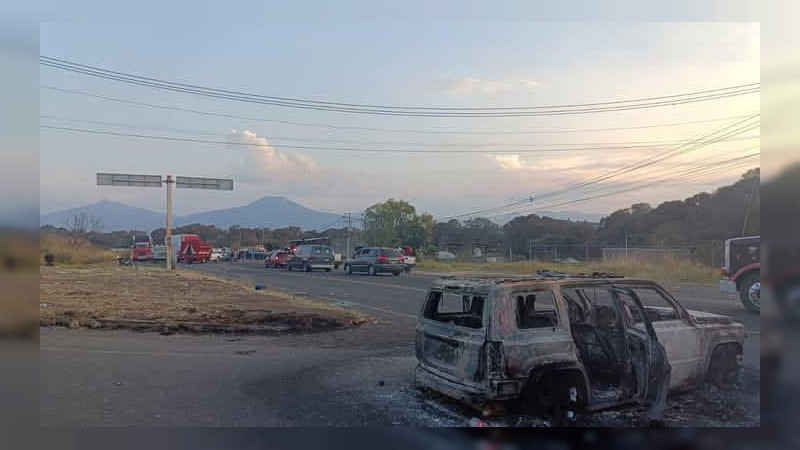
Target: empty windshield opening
(459, 308)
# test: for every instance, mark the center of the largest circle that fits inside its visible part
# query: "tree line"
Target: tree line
(695, 221)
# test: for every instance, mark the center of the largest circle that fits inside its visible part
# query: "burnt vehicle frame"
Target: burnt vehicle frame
(482, 356)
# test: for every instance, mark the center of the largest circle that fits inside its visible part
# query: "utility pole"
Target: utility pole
(168, 238)
(349, 220)
(749, 203)
(627, 252)
(587, 252)
(534, 249)
(530, 250)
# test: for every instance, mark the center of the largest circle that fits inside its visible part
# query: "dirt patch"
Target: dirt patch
(150, 299)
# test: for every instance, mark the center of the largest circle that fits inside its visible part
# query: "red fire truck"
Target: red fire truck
(191, 248)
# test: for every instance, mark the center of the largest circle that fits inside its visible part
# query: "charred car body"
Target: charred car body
(568, 343)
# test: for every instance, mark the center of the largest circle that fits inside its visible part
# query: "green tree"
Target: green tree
(396, 223)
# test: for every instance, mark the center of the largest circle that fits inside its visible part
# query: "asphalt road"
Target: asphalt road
(357, 377)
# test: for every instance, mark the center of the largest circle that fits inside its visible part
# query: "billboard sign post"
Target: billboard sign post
(138, 180)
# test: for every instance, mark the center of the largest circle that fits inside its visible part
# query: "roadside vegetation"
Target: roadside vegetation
(152, 299)
(667, 271)
(71, 251)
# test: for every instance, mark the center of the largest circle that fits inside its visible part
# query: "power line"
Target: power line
(382, 130)
(272, 139)
(627, 169)
(525, 111)
(339, 149)
(693, 173)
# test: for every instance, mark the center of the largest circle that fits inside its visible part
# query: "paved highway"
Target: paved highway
(357, 377)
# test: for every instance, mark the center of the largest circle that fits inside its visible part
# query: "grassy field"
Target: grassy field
(88, 295)
(65, 253)
(672, 271)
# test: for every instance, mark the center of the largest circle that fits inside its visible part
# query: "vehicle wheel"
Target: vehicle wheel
(559, 397)
(397, 274)
(724, 367)
(372, 271)
(750, 293)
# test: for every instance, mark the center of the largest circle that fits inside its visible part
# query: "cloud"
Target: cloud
(263, 162)
(509, 162)
(470, 85)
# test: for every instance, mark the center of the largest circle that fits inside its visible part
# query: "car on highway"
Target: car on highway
(277, 258)
(376, 260)
(216, 255)
(568, 344)
(310, 257)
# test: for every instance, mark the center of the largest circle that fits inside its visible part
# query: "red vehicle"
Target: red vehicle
(141, 248)
(278, 258)
(742, 271)
(193, 249)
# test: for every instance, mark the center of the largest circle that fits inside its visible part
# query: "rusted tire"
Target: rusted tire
(724, 367)
(559, 397)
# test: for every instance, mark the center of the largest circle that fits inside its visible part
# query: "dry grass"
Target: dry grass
(110, 291)
(65, 253)
(668, 271)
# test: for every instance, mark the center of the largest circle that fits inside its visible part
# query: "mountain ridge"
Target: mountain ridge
(268, 211)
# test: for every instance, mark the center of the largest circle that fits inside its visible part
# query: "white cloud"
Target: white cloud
(509, 162)
(263, 162)
(470, 85)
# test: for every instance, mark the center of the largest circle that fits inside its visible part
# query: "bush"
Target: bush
(65, 253)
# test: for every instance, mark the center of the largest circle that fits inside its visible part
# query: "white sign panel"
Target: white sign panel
(127, 179)
(204, 183)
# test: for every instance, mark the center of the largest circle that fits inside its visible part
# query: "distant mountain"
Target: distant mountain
(270, 212)
(114, 216)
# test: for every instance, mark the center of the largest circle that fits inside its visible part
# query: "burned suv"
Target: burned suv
(568, 343)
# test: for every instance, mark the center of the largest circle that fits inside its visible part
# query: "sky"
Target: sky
(424, 64)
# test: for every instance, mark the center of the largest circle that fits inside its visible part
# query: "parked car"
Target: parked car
(375, 260)
(409, 259)
(310, 257)
(216, 255)
(277, 258)
(568, 344)
(445, 256)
